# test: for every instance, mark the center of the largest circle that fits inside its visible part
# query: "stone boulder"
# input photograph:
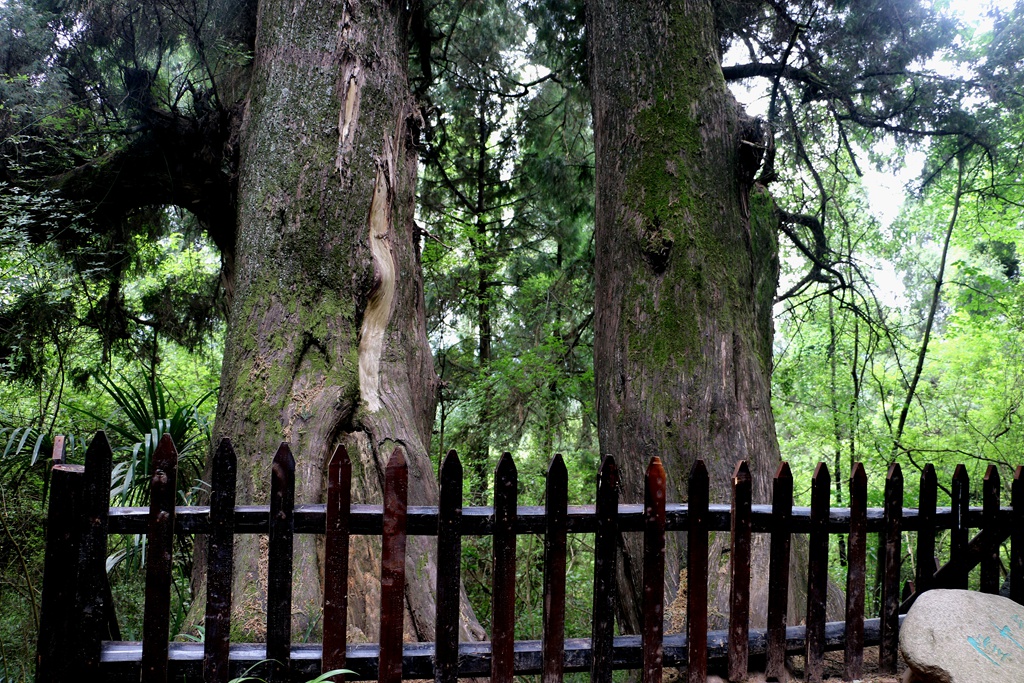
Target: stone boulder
(958, 636)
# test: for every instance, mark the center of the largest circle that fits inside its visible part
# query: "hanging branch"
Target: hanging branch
(901, 424)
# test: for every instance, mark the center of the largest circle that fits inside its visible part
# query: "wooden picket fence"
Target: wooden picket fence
(79, 637)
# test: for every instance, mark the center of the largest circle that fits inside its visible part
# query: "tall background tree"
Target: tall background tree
(687, 260)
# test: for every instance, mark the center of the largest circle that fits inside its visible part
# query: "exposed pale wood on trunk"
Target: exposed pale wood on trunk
(326, 341)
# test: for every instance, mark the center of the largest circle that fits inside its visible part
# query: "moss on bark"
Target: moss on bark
(324, 133)
(686, 265)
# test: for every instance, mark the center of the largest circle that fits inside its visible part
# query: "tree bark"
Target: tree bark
(685, 274)
(326, 340)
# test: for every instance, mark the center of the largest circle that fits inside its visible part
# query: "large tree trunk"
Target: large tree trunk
(326, 341)
(686, 271)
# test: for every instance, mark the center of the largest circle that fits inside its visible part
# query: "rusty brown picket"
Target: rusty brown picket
(739, 591)
(654, 571)
(77, 616)
(392, 571)
(157, 611)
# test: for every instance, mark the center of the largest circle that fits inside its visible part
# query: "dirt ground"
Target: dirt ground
(834, 666)
(833, 670)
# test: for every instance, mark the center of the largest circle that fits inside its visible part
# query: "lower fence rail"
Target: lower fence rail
(122, 660)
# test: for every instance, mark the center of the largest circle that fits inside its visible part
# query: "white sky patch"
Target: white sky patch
(975, 13)
(889, 287)
(886, 190)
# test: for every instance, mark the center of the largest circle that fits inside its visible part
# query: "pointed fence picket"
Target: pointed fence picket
(77, 617)
(697, 575)
(817, 574)
(654, 571)
(778, 571)
(856, 558)
(556, 505)
(890, 615)
(606, 512)
(503, 587)
(159, 567)
(392, 567)
(220, 560)
(449, 570)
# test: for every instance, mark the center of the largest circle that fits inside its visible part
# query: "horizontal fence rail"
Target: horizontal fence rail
(422, 520)
(77, 613)
(121, 660)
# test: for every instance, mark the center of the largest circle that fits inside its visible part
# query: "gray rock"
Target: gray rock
(957, 636)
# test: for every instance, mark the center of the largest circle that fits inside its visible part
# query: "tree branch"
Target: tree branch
(175, 161)
(936, 292)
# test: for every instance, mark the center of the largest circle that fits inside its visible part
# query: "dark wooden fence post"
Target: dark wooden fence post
(392, 569)
(739, 559)
(855, 573)
(556, 505)
(605, 549)
(449, 569)
(280, 550)
(220, 543)
(160, 540)
(654, 572)
(990, 522)
(817, 573)
(57, 610)
(890, 617)
(1017, 537)
(503, 595)
(95, 604)
(697, 574)
(926, 504)
(336, 545)
(958, 534)
(778, 572)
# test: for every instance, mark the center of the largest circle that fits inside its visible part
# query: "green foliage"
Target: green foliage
(865, 371)
(144, 415)
(326, 676)
(508, 223)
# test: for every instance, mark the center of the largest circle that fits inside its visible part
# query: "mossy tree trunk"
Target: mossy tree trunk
(686, 270)
(326, 341)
